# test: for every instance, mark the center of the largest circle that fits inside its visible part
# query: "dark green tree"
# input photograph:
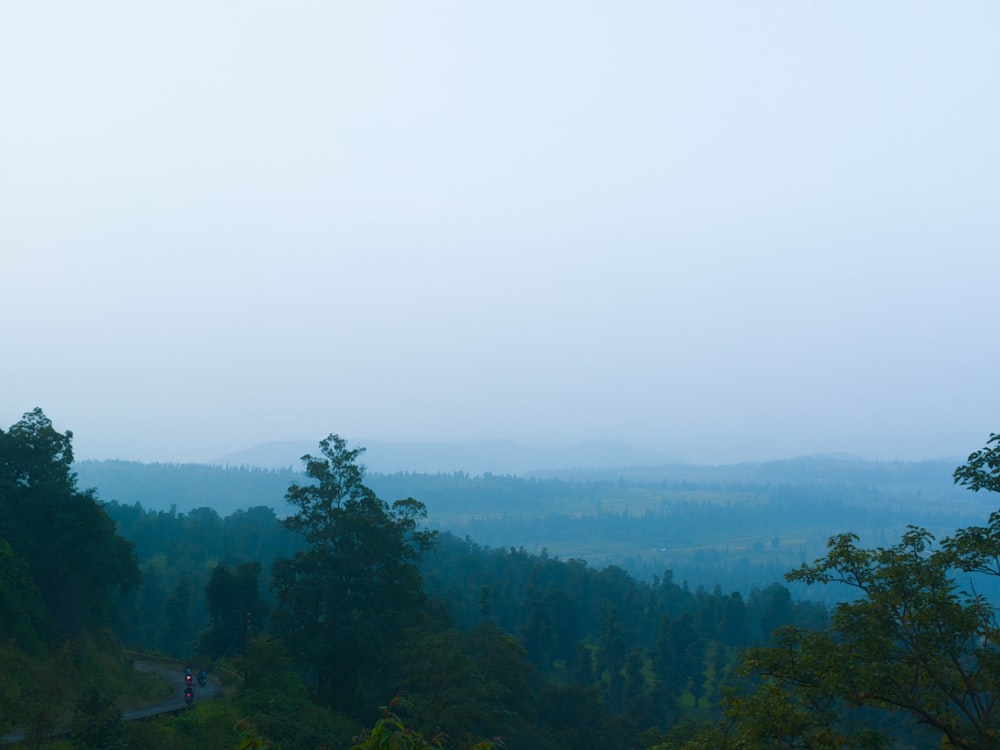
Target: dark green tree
(612, 654)
(639, 705)
(345, 600)
(178, 633)
(574, 717)
(917, 640)
(280, 706)
(21, 606)
(390, 731)
(46, 692)
(447, 692)
(69, 544)
(733, 626)
(679, 658)
(666, 689)
(231, 597)
(776, 609)
(468, 685)
(97, 721)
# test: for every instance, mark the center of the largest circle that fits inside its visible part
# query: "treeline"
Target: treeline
(185, 487)
(179, 551)
(740, 526)
(917, 476)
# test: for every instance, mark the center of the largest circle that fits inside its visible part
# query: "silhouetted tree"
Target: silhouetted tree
(231, 597)
(69, 544)
(345, 600)
(914, 640)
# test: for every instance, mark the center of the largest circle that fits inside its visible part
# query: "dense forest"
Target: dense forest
(740, 526)
(346, 611)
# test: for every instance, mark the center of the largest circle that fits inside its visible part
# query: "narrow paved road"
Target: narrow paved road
(174, 674)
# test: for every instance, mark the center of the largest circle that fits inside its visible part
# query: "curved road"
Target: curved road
(173, 674)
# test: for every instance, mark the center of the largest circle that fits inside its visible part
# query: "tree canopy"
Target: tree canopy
(917, 640)
(55, 538)
(344, 601)
(982, 469)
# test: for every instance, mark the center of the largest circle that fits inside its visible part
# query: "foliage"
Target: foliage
(916, 640)
(390, 733)
(68, 544)
(345, 600)
(982, 469)
(8, 692)
(466, 685)
(177, 632)
(208, 724)
(772, 718)
(574, 717)
(97, 721)
(22, 611)
(45, 691)
(234, 608)
(250, 738)
(185, 550)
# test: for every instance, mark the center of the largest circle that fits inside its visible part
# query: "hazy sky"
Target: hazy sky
(724, 230)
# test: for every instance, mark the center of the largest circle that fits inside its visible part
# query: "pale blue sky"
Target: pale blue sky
(723, 230)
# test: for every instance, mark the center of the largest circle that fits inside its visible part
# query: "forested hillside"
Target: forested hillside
(350, 602)
(741, 526)
(62, 566)
(573, 654)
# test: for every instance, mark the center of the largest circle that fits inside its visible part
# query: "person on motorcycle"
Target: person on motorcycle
(202, 678)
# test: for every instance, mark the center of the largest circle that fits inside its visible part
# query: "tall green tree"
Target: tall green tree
(69, 544)
(97, 721)
(177, 630)
(234, 605)
(345, 600)
(918, 640)
(21, 606)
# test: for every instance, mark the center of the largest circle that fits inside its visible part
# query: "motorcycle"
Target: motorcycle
(202, 678)
(189, 695)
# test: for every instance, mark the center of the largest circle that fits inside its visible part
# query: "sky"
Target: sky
(727, 231)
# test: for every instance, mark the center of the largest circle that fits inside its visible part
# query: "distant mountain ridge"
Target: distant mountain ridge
(500, 457)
